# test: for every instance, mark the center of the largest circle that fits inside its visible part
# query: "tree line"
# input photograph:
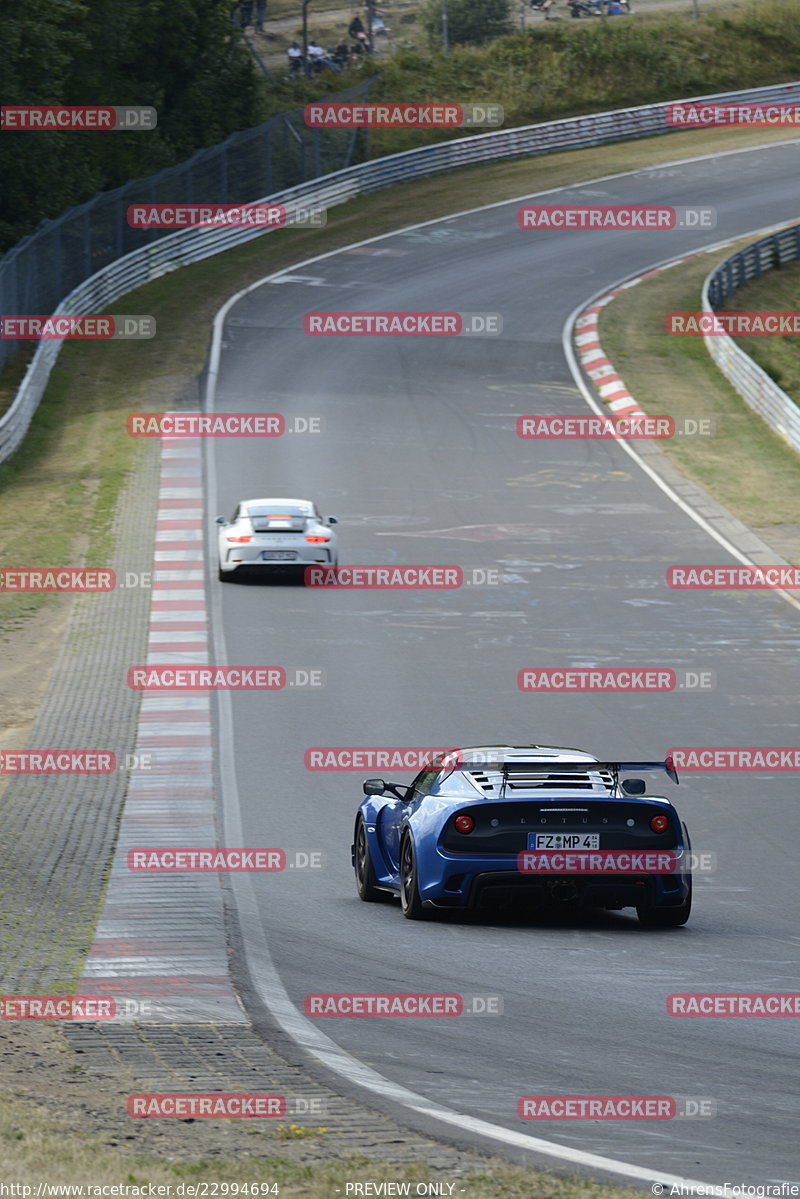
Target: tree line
(182, 57)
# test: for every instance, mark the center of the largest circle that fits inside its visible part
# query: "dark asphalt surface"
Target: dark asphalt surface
(420, 462)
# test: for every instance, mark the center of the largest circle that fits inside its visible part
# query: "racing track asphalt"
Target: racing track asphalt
(420, 462)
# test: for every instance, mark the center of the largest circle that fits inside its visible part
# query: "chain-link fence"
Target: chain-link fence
(283, 152)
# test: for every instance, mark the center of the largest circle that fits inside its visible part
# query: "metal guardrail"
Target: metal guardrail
(753, 384)
(192, 245)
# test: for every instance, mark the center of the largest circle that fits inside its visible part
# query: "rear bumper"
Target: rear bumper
(312, 555)
(473, 884)
(582, 891)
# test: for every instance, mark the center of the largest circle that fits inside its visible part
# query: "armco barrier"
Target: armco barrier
(752, 383)
(191, 245)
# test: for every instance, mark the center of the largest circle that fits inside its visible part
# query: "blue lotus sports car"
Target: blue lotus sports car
(554, 826)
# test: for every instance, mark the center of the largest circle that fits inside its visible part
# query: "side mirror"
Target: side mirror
(634, 786)
(221, 520)
(374, 786)
(332, 520)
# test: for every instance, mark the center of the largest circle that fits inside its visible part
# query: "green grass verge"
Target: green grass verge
(746, 466)
(776, 291)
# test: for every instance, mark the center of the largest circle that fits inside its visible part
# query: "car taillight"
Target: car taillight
(464, 824)
(659, 824)
(240, 539)
(316, 540)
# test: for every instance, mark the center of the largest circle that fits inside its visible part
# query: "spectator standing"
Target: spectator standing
(357, 31)
(261, 12)
(378, 25)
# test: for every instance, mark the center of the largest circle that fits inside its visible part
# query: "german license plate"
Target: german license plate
(563, 840)
(277, 556)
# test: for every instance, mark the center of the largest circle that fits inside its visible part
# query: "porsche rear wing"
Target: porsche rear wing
(533, 768)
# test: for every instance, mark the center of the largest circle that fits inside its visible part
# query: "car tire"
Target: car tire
(366, 882)
(225, 576)
(410, 902)
(653, 916)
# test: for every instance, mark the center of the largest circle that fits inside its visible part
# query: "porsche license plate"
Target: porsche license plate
(277, 556)
(563, 840)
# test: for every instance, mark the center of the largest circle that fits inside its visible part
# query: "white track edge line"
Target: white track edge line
(577, 374)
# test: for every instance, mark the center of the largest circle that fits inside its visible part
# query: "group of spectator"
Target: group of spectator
(332, 59)
(247, 13)
(336, 57)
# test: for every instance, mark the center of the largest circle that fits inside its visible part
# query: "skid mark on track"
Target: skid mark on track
(494, 533)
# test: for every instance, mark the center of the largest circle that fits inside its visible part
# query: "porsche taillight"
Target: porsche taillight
(240, 540)
(659, 823)
(316, 540)
(464, 823)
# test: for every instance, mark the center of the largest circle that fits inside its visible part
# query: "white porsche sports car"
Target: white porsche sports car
(270, 533)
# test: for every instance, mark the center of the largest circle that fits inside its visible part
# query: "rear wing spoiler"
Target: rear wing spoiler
(618, 768)
(290, 523)
(455, 762)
